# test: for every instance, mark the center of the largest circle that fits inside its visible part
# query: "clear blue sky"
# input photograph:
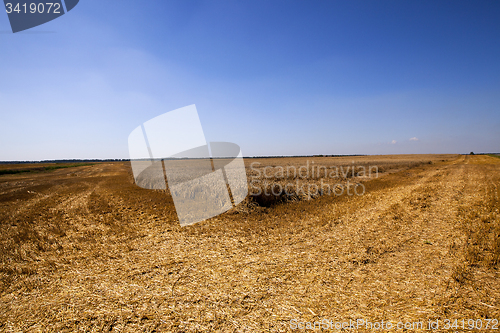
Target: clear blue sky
(275, 77)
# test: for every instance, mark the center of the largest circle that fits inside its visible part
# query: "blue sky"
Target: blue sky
(275, 77)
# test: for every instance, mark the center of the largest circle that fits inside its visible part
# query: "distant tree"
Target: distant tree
(472, 153)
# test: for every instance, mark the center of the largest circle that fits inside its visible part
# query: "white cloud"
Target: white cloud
(393, 142)
(414, 139)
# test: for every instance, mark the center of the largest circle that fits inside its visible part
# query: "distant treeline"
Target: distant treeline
(305, 156)
(127, 159)
(491, 154)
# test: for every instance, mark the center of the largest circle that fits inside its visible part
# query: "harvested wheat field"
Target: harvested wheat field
(84, 249)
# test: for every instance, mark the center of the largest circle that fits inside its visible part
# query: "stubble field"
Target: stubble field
(85, 249)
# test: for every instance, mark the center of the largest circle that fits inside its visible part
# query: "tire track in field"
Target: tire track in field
(400, 234)
(402, 250)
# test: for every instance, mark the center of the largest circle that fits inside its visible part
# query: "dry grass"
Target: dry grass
(88, 250)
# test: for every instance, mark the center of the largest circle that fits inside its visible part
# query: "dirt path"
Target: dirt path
(411, 249)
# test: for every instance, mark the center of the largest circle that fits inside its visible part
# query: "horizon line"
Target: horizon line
(249, 157)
